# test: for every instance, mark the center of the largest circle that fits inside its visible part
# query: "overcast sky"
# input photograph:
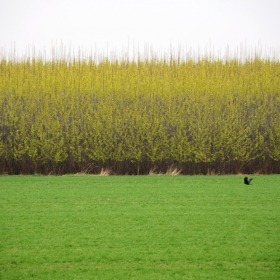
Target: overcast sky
(117, 25)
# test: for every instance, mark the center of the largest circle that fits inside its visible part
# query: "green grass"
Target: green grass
(139, 227)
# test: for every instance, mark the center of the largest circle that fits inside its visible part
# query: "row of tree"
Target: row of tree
(133, 117)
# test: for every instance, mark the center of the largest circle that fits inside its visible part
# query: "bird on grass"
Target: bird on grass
(246, 181)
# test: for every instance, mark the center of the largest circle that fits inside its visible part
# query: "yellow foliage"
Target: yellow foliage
(183, 111)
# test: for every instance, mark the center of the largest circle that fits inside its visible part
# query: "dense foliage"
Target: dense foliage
(202, 116)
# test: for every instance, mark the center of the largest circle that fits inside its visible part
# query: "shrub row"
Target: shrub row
(202, 116)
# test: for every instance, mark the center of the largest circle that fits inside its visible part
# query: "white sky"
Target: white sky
(116, 25)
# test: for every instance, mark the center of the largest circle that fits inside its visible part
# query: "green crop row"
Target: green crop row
(136, 115)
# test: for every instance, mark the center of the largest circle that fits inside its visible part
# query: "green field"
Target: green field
(139, 227)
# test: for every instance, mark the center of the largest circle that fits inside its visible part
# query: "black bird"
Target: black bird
(246, 181)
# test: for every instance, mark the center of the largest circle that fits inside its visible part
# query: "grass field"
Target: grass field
(139, 227)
